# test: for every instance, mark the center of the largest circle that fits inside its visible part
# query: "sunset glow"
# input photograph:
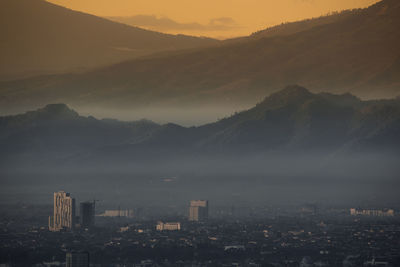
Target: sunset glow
(218, 19)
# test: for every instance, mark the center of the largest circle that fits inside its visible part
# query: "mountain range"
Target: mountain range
(38, 37)
(291, 123)
(355, 51)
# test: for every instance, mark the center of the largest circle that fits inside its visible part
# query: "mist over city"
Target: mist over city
(201, 133)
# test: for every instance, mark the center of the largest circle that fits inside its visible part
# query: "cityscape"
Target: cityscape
(306, 235)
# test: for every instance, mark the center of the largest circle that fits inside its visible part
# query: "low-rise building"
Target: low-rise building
(372, 212)
(118, 213)
(168, 226)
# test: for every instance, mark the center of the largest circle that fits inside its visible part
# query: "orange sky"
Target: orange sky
(197, 17)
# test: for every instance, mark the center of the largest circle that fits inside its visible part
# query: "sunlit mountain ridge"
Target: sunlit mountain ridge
(355, 52)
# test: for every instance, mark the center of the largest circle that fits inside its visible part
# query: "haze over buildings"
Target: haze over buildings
(284, 129)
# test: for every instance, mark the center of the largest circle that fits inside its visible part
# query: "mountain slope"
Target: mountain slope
(40, 37)
(290, 28)
(357, 53)
(56, 132)
(292, 124)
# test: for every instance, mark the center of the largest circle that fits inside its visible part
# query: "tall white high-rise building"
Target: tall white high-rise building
(64, 212)
(198, 210)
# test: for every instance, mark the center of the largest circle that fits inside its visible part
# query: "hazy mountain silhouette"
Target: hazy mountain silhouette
(56, 132)
(290, 123)
(356, 52)
(39, 37)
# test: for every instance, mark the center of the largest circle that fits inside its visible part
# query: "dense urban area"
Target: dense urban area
(303, 235)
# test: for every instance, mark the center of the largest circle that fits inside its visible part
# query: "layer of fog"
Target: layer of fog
(367, 180)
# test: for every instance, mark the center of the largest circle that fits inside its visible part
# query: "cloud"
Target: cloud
(167, 24)
(222, 22)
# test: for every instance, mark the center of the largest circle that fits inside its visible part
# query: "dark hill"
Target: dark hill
(38, 37)
(56, 132)
(290, 124)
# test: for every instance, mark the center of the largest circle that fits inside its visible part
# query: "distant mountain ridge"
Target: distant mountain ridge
(355, 52)
(291, 122)
(39, 37)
